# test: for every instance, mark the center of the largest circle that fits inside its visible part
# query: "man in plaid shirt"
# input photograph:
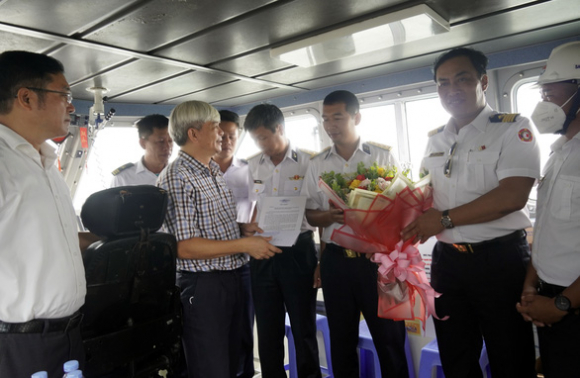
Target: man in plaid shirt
(201, 213)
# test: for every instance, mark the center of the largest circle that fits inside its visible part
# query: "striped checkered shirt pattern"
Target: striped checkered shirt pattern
(200, 205)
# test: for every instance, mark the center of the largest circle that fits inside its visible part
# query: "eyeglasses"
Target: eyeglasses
(448, 163)
(68, 95)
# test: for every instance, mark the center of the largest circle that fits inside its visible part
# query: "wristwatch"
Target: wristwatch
(562, 303)
(445, 220)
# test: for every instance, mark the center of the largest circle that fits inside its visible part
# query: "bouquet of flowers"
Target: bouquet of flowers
(378, 202)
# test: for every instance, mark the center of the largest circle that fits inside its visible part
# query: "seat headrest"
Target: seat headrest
(125, 210)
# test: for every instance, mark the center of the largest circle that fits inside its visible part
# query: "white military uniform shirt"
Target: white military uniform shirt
(41, 268)
(133, 174)
(284, 179)
(237, 179)
(556, 251)
(486, 152)
(329, 160)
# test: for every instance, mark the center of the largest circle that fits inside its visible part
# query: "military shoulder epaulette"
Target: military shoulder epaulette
(504, 117)
(307, 152)
(122, 168)
(325, 151)
(243, 161)
(381, 146)
(253, 156)
(436, 131)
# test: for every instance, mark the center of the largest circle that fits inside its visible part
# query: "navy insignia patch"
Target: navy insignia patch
(122, 168)
(503, 117)
(294, 156)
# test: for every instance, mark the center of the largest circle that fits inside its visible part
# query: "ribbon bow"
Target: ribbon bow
(405, 264)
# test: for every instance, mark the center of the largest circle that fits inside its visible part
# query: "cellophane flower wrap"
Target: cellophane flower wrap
(378, 202)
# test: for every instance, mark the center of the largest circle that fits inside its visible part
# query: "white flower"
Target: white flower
(365, 182)
(382, 183)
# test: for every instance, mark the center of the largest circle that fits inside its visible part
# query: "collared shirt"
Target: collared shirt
(486, 152)
(237, 179)
(284, 179)
(200, 206)
(136, 174)
(556, 252)
(330, 160)
(41, 268)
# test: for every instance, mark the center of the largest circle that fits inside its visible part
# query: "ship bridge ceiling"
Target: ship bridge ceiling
(219, 51)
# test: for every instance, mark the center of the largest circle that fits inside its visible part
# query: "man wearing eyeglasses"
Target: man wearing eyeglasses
(42, 279)
(483, 165)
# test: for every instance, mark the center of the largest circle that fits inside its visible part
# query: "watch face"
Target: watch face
(562, 303)
(446, 222)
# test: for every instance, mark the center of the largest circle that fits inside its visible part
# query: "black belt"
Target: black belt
(43, 325)
(474, 247)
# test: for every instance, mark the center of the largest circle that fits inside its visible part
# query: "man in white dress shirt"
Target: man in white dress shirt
(154, 138)
(235, 172)
(283, 282)
(349, 278)
(482, 165)
(42, 278)
(551, 293)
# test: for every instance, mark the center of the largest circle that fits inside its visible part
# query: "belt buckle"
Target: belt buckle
(350, 254)
(463, 248)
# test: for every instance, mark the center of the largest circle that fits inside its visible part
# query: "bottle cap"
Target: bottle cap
(71, 365)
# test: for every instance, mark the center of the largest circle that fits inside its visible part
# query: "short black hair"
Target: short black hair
(477, 58)
(24, 69)
(229, 116)
(266, 115)
(347, 98)
(153, 121)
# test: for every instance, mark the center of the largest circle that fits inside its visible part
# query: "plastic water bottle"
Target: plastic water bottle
(39, 374)
(69, 366)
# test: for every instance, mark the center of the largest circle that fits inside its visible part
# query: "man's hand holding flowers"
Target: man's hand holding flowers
(422, 228)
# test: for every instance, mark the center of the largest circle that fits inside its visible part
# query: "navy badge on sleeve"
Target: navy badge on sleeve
(122, 168)
(503, 117)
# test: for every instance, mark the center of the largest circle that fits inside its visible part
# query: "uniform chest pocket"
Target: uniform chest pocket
(481, 173)
(292, 187)
(258, 188)
(434, 165)
(566, 198)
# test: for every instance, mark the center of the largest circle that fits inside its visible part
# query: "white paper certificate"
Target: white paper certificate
(281, 218)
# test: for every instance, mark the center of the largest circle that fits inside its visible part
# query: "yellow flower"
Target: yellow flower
(378, 190)
(354, 184)
(381, 171)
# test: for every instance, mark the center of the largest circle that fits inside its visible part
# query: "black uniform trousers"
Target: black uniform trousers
(350, 287)
(41, 344)
(246, 365)
(286, 280)
(560, 343)
(480, 288)
(212, 309)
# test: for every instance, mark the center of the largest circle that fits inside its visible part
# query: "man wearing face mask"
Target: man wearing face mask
(551, 292)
